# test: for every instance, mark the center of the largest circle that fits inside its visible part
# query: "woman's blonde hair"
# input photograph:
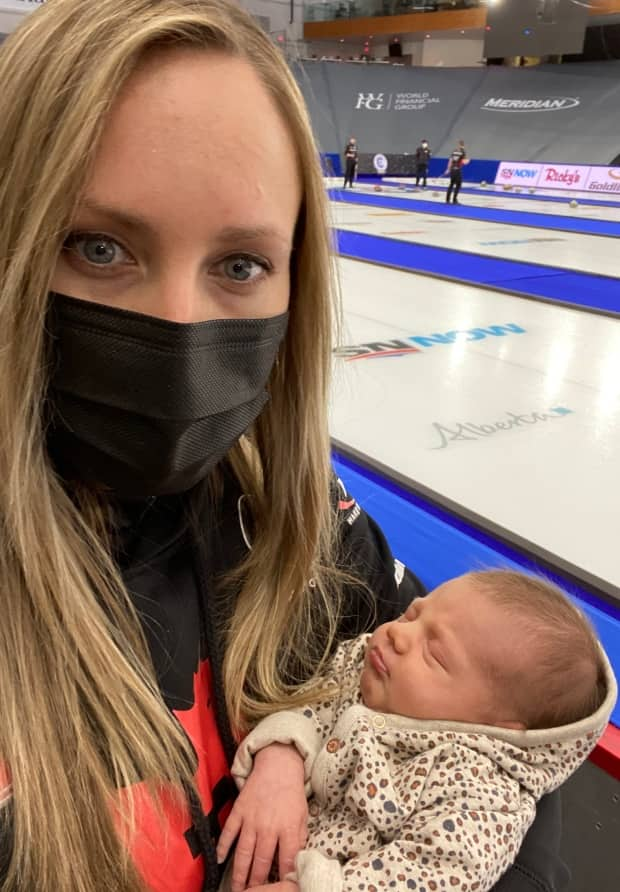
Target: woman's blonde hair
(81, 713)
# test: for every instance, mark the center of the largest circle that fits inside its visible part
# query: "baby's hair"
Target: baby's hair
(560, 677)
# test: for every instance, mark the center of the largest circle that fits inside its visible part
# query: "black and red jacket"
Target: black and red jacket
(171, 553)
(456, 160)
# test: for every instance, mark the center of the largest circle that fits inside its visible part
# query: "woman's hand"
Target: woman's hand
(270, 812)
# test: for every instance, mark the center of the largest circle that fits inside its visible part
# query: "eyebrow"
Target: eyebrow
(228, 234)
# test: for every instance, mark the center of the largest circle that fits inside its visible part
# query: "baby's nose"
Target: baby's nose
(397, 633)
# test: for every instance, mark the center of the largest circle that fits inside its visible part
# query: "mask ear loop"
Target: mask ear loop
(244, 532)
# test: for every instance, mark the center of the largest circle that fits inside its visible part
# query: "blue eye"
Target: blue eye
(243, 269)
(96, 249)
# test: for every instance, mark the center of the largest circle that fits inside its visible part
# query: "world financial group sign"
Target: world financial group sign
(411, 101)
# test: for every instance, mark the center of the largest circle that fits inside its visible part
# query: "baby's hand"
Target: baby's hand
(271, 812)
(284, 886)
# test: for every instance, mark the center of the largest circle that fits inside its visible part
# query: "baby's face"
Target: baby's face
(432, 663)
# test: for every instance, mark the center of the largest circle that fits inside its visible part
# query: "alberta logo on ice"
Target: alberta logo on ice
(461, 431)
(419, 343)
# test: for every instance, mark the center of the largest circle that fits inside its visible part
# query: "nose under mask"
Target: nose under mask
(145, 406)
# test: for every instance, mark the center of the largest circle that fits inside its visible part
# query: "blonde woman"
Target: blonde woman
(175, 559)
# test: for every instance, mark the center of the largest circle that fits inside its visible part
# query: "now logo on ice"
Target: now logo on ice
(404, 346)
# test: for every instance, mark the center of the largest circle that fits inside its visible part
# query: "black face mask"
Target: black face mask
(148, 407)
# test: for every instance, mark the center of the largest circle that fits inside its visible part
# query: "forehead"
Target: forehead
(474, 615)
(196, 132)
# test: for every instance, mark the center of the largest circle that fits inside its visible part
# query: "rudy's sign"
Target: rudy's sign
(564, 176)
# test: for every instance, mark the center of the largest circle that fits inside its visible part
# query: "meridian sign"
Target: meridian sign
(546, 104)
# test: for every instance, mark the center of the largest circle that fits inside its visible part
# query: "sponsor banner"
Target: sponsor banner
(605, 180)
(545, 104)
(576, 177)
(524, 113)
(513, 172)
(564, 176)
(408, 345)
(395, 101)
(468, 430)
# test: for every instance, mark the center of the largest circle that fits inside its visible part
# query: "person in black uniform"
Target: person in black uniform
(456, 161)
(422, 160)
(350, 162)
(176, 558)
